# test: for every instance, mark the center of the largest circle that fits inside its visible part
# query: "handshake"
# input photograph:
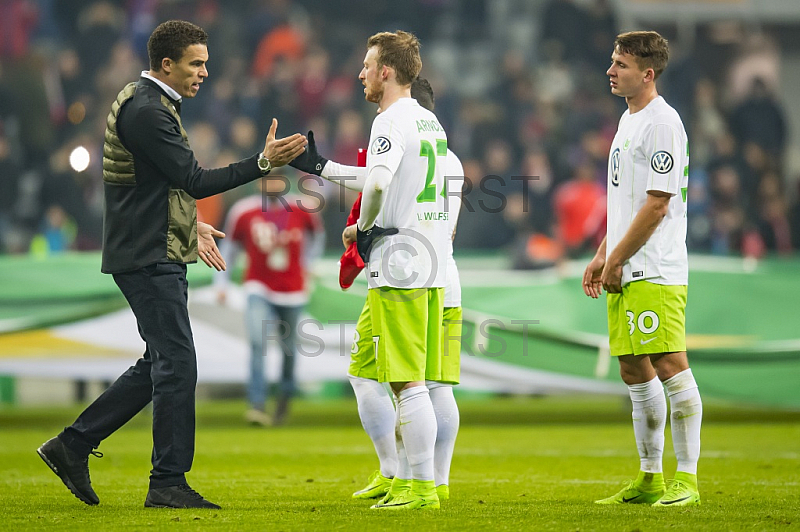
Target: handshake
(310, 161)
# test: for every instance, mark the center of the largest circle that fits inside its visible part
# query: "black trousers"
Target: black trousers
(166, 374)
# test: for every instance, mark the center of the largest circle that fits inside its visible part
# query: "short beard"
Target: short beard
(374, 96)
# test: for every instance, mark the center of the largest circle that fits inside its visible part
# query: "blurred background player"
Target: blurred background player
(642, 264)
(281, 239)
(375, 407)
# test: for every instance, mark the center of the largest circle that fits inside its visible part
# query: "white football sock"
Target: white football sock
(685, 419)
(447, 421)
(649, 419)
(403, 469)
(418, 430)
(376, 410)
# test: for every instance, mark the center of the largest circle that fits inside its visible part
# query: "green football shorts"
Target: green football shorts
(362, 353)
(364, 363)
(447, 368)
(646, 319)
(406, 331)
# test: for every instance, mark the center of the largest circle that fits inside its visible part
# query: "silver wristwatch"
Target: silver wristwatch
(263, 164)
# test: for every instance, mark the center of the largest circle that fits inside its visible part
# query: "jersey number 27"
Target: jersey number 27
(426, 150)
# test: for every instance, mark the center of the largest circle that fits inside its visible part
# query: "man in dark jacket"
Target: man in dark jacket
(150, 233)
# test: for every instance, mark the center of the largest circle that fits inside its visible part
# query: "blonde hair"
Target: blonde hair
(650, 49)
(399, 50)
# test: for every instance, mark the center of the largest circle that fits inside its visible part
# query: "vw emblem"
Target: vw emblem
(661, 162)
(380, 145)
(615, 168)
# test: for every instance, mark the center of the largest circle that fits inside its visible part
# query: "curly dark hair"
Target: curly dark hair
(422, 92)
(170, 39)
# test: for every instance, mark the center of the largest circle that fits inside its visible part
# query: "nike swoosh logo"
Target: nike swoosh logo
(676, 500)
(395, 504)
(631, 499)
(687, 415)
(406, 423)
(645, 342)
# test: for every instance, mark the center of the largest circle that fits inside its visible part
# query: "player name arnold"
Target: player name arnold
(428, 125)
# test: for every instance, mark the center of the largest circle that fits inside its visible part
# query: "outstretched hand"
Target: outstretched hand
(207, 246)
(310, 161)
(281, 151)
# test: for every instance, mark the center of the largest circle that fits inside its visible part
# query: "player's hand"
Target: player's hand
(349, 235)
(592, 286)
(611, 278)
(310, 161)
(281, 151)
(207, 246)
(365, 239)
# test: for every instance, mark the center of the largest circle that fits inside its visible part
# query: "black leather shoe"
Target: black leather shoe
(71, 467)
(177, 497)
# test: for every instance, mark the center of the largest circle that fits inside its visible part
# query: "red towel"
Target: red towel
(350, 265)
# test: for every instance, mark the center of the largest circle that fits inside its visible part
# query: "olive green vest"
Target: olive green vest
(118, 169)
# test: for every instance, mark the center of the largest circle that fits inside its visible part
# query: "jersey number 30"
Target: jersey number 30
(426, 150)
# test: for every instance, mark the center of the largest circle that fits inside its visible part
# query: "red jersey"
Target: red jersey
(580, 208)
(274, 239)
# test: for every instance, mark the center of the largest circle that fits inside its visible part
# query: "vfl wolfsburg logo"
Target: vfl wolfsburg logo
(661, 162)
(615, 168)
(380, 145)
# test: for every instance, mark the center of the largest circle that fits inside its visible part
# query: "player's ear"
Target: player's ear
(649, 75)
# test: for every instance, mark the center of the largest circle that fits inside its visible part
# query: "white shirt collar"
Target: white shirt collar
(169, 90)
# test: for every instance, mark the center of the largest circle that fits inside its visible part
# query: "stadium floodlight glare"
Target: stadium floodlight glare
(79, 159)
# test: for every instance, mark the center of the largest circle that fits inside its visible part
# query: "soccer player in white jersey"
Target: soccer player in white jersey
(642, 264)
(375, 407)
(403, 194)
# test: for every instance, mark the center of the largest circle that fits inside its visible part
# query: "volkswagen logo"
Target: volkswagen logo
(615, 168)
(380, 145)
(661, 162)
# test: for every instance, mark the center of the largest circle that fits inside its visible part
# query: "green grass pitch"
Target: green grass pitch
(520, 464)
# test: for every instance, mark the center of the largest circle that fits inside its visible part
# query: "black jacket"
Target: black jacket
(151, 179)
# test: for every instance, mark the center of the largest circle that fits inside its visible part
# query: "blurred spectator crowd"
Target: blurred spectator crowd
(520, 88)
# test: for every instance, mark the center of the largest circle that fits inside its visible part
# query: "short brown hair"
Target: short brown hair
(650, 49)
(399, 50)
(171, 39)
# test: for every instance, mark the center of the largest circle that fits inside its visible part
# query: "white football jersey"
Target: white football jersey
(454, 182)
(650, 152)
(409, 141)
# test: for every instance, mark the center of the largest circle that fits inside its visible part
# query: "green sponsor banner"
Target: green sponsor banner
(742, 327)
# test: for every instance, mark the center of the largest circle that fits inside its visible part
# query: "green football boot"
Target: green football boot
(443, 491)
(682, 491)
(378, 487)
(646, 489)
(399, 486)
(421, 496)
